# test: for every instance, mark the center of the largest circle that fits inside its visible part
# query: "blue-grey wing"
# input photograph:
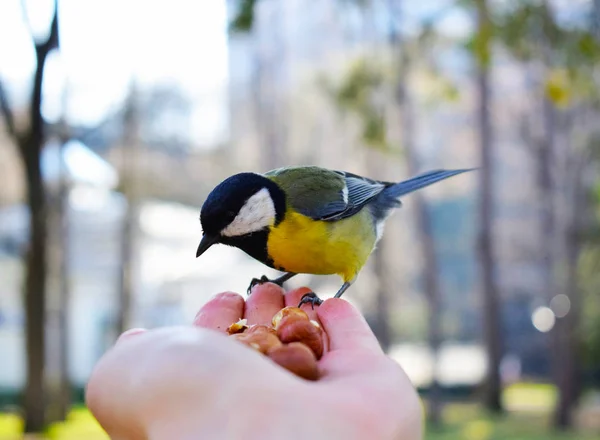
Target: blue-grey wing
(324, 194)
(359, 192)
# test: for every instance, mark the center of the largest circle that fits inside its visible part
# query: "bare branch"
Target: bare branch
(51, 41)
(7, 112)
(41, 51)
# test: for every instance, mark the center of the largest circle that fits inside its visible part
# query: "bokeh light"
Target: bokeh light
(560, 305)
(543, 319)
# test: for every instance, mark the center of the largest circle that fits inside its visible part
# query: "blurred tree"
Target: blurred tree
(165, 120)
(57, 333)
(590, 261)
(270, 93)
(268, 45)
(595, 19)
(589, 272)
(529, 31)
(128, 185)
(422, 219)
(371, 111)
(357, 95)
(380, 321)
(566, 57)
(30, 143)
(481, 46)
(63, 400)
(243, 20)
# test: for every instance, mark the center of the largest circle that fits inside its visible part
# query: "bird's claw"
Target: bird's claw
(256, 281)
(310, 298)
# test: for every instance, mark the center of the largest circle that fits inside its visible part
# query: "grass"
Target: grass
(527, 418)
(528, 406)
(470, 422)
(80, 424)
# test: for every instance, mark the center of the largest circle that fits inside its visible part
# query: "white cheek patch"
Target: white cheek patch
(257, 213)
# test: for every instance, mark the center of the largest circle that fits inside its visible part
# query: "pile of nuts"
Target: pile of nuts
(293, 341)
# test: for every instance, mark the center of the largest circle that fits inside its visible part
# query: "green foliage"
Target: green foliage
(421, 52)
(589, 280)
(441, 89)
(558, 87)
(244, 16)
(357, 94)
(480, 45)
(480, 42)
(526, 27)
(530, 32)
(243, 19)
(356, 87)
(590, 325)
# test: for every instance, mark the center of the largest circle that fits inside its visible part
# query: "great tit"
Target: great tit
(305, 219)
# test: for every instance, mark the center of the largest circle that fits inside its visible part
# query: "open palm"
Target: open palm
(194, 382)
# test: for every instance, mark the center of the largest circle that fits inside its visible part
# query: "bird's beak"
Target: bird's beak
(206, 242)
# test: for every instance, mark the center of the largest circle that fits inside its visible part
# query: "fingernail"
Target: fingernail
(129, 333)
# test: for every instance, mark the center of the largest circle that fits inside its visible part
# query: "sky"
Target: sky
(107, 43)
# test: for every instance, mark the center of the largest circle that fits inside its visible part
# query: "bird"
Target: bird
(305, 219)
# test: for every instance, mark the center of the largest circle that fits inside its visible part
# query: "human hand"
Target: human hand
(196, 383)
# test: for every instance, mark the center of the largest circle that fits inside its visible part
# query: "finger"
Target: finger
(346, 327)
(293, 297)
(264, 302)
(221, 311)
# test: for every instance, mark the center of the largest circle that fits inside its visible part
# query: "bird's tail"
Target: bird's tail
(389, 198)
(421, 181)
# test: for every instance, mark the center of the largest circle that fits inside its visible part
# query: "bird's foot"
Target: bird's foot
(310, 298)
(256, 281)
(279, 281)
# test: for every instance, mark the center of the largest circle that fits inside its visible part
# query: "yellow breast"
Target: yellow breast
(302, 245)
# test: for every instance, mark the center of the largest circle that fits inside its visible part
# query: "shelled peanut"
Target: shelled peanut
(293, 341)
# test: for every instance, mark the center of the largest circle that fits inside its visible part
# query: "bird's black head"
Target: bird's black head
(241, 205)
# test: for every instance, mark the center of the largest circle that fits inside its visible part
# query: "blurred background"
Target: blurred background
(118, 118)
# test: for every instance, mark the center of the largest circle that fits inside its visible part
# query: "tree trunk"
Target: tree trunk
(423, 224)
(566, 328)
(430, 272)
(269, 100)
(596, 19)
(422, 218)
(491, 311)
(35, 279)
(550, 235)
(126, 276)
(545, 161)
(380, 322)
(35, 294)
(129, 157)
(567, 343)
(375, 163)
(57, 335)
(30, 145)
(64, 397)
